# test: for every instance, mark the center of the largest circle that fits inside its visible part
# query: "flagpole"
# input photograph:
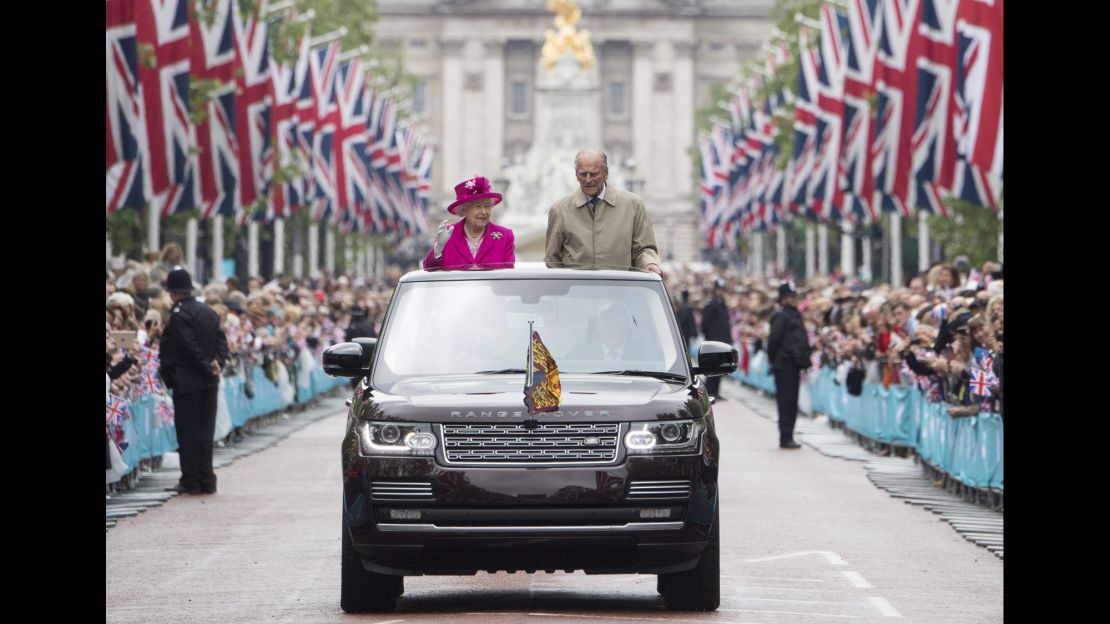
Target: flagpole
(217, 248)
(280, 6)
(191, 246)
(154, 217)
(811, 256)
(757, 255)
(252, 248)
(528, 371)
(896, 249)
(823, 249)
(329, 249)
(313, 249)
(847, 250)
(328, 38)
(922, 241)
(279, 246)
(866, 270)
(362, 50)
(805, 21)
(1001, 229)
(780, 248)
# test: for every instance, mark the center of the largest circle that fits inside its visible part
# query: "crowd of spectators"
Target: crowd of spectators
(281, 326)
(941, 332)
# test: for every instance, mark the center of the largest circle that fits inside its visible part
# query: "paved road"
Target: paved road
(805, 538)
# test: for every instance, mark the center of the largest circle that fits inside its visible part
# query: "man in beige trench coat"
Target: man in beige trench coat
(599, 226)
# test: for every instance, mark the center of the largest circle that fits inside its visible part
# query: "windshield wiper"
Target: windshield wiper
(642, 373)
(503, 371)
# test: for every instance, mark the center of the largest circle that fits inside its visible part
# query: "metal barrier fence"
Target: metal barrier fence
(149, 437)
(968, 449)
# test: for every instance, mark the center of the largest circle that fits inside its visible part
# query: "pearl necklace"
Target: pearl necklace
(474, 242)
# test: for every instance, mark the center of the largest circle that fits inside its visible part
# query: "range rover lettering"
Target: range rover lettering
(447, 470)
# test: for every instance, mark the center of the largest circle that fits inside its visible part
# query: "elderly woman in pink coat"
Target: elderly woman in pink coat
(475, 242)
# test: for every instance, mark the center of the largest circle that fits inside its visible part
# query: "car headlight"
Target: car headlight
(387, 438)
(664, 438)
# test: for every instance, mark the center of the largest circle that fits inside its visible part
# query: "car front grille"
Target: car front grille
(551, 443)
(659, 489)
(401, 490)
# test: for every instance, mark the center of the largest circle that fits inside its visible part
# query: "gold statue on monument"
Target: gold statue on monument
(568, 38)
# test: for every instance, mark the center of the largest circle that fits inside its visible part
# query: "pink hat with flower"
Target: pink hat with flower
(475, 188)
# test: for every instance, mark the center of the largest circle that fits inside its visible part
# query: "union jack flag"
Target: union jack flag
(394, 186)
(351, 132)
(253, 109)
(805, 126)
(978, 95)
(384, 218)
(306, 120)
(149, 356)
(163, 407)
(214, 59)
(286, 87)
(933, 145)
(825, 193)
(324, 66)
(980, 384)
(859, 84)
(424, 176)
(125, 123)
(895, 84)
(116, 411)
(148, 383)
(163, 26)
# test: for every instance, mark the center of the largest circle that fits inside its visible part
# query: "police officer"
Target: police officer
(360, 326)
(788, 353)
(686, 323)
(716, 325)
(193, 352)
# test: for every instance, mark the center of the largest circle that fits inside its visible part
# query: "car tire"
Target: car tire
(363, 591)
(697, 589)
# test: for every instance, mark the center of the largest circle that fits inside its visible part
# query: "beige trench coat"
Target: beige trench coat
(618, 236)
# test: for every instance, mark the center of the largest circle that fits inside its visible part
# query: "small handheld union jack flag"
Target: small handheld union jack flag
(115, 412)
(148, 383)
(980, 384)
(164, 409)
(150, 356)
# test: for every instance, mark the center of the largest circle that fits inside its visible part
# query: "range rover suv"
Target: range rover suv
(446, 471)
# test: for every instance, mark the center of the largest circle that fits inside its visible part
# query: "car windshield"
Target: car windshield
(481, 326)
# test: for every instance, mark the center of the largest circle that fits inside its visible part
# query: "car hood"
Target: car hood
(500, 398)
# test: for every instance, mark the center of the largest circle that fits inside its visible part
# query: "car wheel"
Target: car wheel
(697, 589)
(363, 591)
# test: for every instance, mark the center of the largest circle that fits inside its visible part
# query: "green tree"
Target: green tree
(971, 230)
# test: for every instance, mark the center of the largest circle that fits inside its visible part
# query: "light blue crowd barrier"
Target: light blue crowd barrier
(969, 449)
(148, 436)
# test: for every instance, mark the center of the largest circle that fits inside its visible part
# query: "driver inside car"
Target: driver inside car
(614, 326)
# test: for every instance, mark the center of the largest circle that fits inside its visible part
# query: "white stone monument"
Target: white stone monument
(567, 119)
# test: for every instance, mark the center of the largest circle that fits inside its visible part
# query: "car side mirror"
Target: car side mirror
(344, 360)
(368, 346)
(716, 358)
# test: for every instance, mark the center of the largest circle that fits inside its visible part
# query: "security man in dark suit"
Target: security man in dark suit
(360, 326)
(193, 353)
(716, 325)
(788, 353)
(686, 322)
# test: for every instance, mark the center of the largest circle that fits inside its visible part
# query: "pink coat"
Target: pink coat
(497, 251)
